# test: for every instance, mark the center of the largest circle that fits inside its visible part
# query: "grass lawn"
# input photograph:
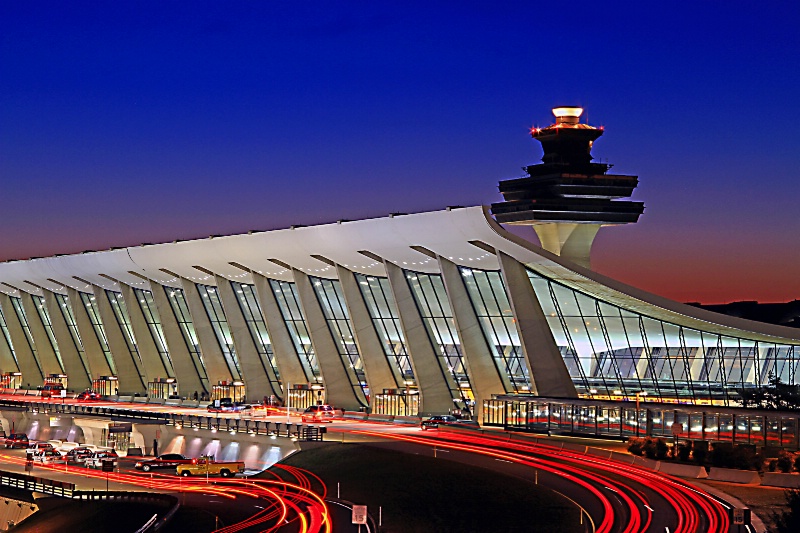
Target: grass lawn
(424, 494)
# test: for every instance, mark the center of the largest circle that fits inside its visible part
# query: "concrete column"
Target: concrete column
(7, 361)
(258, 375)
(44, 349)
(549, 374)
(189, 379)
(289, 364)
(95, 357)
(78, 379)
(130, 380)
(434, 383)
(484, 376)
(376, 366)
(216, 367)
(152, 364)
(568, 240)
(31, 373)
(340, 386)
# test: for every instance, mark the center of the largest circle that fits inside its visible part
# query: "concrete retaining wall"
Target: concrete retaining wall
(776, 479)
(734, 476)
(690, 471)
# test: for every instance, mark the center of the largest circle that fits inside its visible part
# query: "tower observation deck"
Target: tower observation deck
(567, 197)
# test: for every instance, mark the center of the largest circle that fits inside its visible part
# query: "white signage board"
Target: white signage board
(359, 514)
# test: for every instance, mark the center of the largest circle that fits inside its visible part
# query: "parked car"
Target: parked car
(227, 405)
(318, 413)
(205, 466)
(36, 447)
(48, 456)
(97, 458)
(167, 460)
(51, 389)
(88, 396)
(78, 454)
(17, 440)
(436, 420)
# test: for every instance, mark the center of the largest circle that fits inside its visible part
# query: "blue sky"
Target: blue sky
(123, 123)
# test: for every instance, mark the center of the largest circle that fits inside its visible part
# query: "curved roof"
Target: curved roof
(464, 235)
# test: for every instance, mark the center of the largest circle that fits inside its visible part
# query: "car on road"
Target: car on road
(436, 420)
(47, 456)
(318, 413)
(226, 405)
(17, 440)
(166, 460)
(78, 454)
(36, 447)
(88, 396)
(205, 466)
(97, 458)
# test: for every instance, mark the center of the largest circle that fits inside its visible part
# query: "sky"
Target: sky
(124, 123)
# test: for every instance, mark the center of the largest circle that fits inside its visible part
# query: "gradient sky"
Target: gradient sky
(131, 122)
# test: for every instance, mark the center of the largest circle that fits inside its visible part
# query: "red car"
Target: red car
(167, 460)
(88, 396)
(17, 440)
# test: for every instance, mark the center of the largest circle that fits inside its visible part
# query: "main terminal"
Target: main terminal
(407, 315)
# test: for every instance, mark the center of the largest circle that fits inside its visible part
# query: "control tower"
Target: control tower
(567, 197)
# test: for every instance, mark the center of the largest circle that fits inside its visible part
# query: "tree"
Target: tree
(788, 521)
(774, 395)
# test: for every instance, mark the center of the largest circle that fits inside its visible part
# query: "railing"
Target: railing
(37, 484)
(155, 523)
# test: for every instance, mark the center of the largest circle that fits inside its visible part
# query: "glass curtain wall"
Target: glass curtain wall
(251, 310)
(177, 301)
(44, 316)
(383, 311)
(216, 314)
(612, 352)
(289, 303)
(7, 337)
(434, 307)
(487, 292)
(99, 330)
(69, 318)
(148, 306)
(124, 322)
(329, 294)
(16, 302)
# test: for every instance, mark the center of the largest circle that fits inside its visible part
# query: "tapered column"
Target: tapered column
(130, 380)
(549, 374)
(31, 373)
(153, 365)
(286, 356)
(434, 391)
(484, 377)
(7, 362)
(340, 387)
(257, 374)
(95, 357)
(216, 367)
(186, 371)
(376, 366)
(44, 348)
(78, 379)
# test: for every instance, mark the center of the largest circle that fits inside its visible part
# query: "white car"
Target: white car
(47, 456)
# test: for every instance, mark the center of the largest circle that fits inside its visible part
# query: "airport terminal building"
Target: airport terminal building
(408, 314)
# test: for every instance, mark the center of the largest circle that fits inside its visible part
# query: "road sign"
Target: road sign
(359, 514)
(739, 516)
(677, 429)
(108, 466)
(28, 465)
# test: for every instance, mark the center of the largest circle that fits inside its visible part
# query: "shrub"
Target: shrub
(785, 462)
(773, 465)
(636, 446)
(700, 452)
(797, 462)
(726, 455)
(684, 450)
(788, 521)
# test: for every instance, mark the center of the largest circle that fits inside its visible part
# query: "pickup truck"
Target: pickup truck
(205, 466)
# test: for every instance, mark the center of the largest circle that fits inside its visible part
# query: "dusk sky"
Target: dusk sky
(130, 122)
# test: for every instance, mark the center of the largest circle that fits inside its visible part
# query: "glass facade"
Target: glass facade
(216, 314)
(99, 330)
(289, 303)
(487, 292)
(148, 307)
(69, 318)
(383, 311)
(16, 302)
(251, 310)
(331, 299)
(434, 307)
(44, 316)
(177, 301)
(124, 322)
(612, 352)
(7, 337)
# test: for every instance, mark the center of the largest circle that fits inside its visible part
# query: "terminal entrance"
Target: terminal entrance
(106, 385)
(56, 380)
(163, 388)
(11, 380)
(234, 390)
(304, 395)
(397, 402)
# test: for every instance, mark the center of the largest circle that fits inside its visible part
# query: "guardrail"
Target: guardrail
(37, 484)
